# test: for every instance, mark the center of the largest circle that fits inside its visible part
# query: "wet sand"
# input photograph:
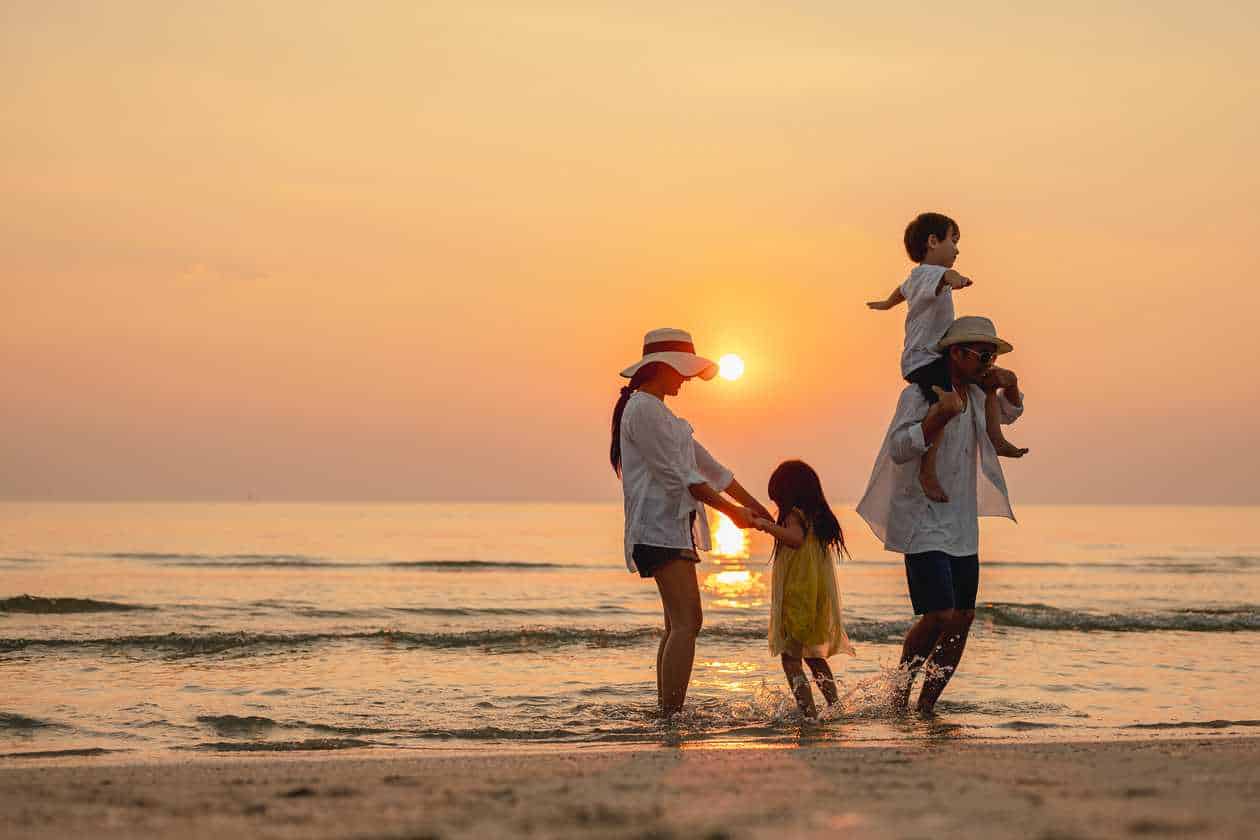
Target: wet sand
(1207, 787)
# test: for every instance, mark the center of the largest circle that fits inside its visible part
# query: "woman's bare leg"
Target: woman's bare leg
(680, 594)
(825, 679)
(799, 685)
(660, 652)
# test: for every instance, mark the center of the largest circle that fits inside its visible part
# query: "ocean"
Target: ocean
(156, 628)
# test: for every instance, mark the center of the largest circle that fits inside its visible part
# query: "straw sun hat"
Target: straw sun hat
(676, 349)
(973, 329)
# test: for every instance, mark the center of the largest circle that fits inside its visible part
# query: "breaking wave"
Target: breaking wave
(1043, 617)
(49, 606)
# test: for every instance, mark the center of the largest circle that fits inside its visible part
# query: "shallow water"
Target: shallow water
(220, 627)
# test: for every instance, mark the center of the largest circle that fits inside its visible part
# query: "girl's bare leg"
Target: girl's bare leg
(680, 594)
(799, 685)
(993, 422)
(927, 476)
(825, 679)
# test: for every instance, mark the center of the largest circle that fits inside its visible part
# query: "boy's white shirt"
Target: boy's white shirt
(928, 316)
(660, 460)
(894, 504)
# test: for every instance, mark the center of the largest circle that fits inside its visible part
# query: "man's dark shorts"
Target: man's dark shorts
(940, 581)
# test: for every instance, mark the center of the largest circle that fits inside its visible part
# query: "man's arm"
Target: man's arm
(948, 406)
(892, 300)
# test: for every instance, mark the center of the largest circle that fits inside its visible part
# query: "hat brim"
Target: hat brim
(687, 364)
(975, 338)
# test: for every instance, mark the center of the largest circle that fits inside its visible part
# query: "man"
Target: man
(940, 540)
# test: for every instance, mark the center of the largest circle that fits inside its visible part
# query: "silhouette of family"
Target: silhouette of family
(936, 473)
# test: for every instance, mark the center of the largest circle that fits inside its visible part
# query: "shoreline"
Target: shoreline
(1180, 786)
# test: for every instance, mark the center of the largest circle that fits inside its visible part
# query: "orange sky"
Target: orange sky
(317, 251)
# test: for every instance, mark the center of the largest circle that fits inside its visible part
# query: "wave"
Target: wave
(1043, 617)
(1196, 724)
(521, 639)
(88, 751)
(303, 561)
(308, 745)
(1036, 617)
(230, 725)
(10, 721)
(485, 564)
(49, 606)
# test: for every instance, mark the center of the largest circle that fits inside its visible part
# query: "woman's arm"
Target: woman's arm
(792, 534)
(737, 492)
(742, 517)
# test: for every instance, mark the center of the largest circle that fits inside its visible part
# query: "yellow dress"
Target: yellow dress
(805, 618)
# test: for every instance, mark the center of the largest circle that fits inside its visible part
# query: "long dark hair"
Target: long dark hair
(641, 375)
(794, 484)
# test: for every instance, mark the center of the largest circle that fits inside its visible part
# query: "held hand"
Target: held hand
(948, 401)
(742, 517)
(762, 523)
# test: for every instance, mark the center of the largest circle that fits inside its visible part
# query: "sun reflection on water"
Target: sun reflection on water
(729, 541)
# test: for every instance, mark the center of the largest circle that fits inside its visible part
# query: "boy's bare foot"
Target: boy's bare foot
(931, 487)
(1009, 450)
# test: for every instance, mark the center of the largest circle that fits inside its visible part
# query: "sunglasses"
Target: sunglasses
(983, 356)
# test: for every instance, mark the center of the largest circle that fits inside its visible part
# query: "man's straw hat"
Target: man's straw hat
(973, 329)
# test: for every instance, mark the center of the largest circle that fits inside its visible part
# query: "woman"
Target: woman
(667, 477)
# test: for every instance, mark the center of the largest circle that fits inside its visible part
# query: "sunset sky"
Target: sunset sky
(312, 250)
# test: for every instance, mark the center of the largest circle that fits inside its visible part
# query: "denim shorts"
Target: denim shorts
(940, 581)
(650, 559)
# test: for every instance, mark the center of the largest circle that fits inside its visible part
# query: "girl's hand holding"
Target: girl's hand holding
(762, 523)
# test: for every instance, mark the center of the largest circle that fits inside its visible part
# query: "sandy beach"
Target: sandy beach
(1206, 787)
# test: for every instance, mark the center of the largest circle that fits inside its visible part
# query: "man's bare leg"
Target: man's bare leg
(927, 476)
(799, 685)
(944, 659)
(825, 679)
(920, 642)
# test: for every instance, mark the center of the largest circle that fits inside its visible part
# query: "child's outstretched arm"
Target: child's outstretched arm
(953, 280)
(892, 300)
(792, 534)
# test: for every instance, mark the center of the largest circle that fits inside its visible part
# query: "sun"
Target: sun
(731, 367)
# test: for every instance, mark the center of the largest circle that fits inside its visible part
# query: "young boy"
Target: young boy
(932, 242)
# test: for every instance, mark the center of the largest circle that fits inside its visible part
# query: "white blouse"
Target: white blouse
(967, 468)
(660, 460)
(928, 316)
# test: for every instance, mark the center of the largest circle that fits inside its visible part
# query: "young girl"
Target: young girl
(805, 621)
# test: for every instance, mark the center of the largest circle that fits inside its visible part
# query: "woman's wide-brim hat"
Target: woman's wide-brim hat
(676, 349)
(973, 329)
